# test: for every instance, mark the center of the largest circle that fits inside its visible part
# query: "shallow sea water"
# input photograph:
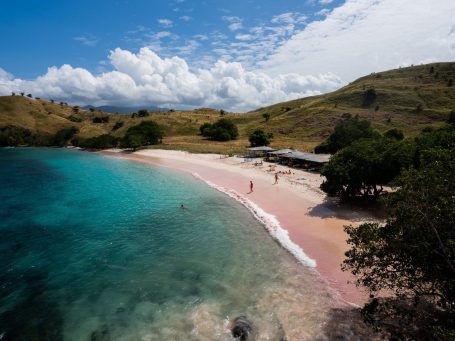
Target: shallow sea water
(98, 248)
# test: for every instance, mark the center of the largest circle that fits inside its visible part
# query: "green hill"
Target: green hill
(408, 98)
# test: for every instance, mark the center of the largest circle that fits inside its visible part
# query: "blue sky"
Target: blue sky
(37, 34)
(237, 55)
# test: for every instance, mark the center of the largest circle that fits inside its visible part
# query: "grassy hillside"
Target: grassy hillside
(407, 98)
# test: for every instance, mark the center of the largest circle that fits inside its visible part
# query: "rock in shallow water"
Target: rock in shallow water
(242, 329)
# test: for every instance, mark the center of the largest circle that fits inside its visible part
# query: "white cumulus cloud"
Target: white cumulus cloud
(362, 36)
(146, 78)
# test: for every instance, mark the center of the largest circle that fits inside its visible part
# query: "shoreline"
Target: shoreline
(295, 212)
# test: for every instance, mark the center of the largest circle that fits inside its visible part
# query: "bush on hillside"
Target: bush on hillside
(260, 138)
(346, 131)
(117, 125)
(143, 113)
(369, 97)
(74, 118)
(100, 119)
(222, 130)
(104, 141)
(63, 136)
(145, 133)
(14, 136)
(394, 133)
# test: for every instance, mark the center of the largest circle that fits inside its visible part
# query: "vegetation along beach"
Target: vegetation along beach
(251, 171)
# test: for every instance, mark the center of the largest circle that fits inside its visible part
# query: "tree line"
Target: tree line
(412, 255)
(142, 134)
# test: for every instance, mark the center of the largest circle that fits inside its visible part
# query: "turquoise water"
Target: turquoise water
(96, 248)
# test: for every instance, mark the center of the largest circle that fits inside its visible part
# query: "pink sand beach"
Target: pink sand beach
(312, 222)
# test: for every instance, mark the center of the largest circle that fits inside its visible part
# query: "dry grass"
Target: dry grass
(301, 124)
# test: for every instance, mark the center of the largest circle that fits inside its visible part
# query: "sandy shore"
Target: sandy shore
(312, 222)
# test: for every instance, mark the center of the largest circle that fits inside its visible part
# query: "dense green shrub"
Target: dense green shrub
(74, 118)
(364, 167)
(260, 138)
(222, 130)
(14, 136)
(99, 142)
(117, 125)
(347, 131)
(145, 133)
(62, 136)
(369, 97)
(143, 113)
(394, 134)
(100, 119)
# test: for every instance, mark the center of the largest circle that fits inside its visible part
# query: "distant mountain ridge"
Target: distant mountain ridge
(125, 110)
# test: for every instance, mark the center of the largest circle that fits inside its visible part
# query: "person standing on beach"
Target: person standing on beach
(251, 186)
(276, 178)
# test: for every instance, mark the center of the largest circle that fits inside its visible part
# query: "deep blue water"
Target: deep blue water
(98, 248)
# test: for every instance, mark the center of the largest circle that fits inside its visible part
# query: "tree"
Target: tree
(14, 136)
(363, 168)
(143, 113)
(132, 141)
(62, 136)
(13, 94)
(222, 130)
(117, 125)
(222, 112)
(260, 138)
(30, 96)
(99, 142)
(394, 133)
(346, 131)
(100, 119)
(451, 118)
(145, 133)
(91, 109)
(266, 116)
(204, 129)
(412, 255)
(369, 96)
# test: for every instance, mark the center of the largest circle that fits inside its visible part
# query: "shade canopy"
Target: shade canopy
(316, 158)
(261, 149)
(281, 151)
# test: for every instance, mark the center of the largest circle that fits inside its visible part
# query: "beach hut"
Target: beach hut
(304, 160)
(273, 155)
(258, 151)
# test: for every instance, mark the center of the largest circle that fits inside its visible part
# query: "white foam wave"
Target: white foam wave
(270, 222)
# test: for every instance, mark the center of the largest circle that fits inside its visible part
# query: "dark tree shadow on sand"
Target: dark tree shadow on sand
(334, 208)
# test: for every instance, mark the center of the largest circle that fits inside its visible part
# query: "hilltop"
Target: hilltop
(407, 98)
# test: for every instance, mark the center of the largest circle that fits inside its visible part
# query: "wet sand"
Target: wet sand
(314, 223)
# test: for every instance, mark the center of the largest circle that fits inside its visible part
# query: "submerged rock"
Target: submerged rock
(100, 335)
(242, 329)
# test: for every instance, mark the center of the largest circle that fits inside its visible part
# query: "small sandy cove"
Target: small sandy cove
(313, 222)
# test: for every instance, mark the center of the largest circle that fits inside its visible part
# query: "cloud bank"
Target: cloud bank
(145, 78)
(249, 67)
(364, 36)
